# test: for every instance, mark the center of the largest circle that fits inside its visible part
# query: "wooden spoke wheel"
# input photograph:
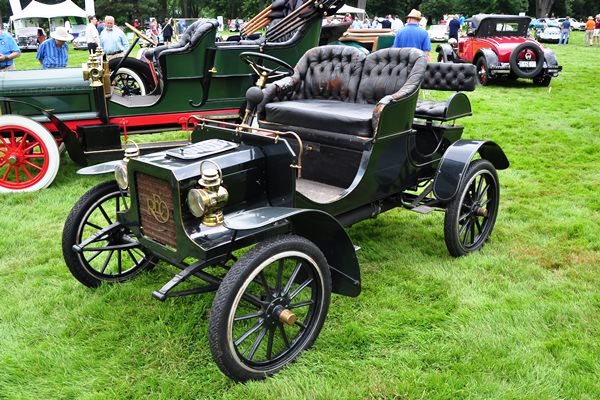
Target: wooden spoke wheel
(270, 306)
(471, 216)
(96, 247)
(29, 157)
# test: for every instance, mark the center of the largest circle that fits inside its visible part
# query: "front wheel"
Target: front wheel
(29, 157)
(96, 247)
(270, 306)
(471, 215)
(483, 74)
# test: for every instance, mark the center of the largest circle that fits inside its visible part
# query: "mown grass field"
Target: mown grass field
(518, 320)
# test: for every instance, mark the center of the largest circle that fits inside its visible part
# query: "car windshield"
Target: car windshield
(29, 31)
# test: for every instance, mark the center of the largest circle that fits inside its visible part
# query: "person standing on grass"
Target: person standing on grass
(54, 52)
(113, 39)
(167, 31)
(565, 31)
(412, 35)
(596, 38)
(453, 28)
(91, 34)
(8, 51)
(590, 25)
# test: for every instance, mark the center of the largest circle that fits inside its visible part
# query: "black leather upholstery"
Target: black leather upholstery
(457, 106)
(337, 94)
(450, 76)
(386, 71)
(325, 115)
(191, 37)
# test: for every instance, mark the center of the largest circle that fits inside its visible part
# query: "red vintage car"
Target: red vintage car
(500, 47)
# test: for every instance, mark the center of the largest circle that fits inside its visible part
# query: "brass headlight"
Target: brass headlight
(121, 175)
(197, 202)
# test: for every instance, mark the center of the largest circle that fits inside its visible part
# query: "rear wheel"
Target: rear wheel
(483, 75)
(471, 215)
(133, 78)
(527, 60)
(542, 80)
(29, 157)
(270, 307)
(96, 247)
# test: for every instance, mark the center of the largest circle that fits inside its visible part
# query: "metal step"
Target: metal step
(423, 209)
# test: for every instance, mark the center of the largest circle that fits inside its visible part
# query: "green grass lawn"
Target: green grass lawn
(518, 320)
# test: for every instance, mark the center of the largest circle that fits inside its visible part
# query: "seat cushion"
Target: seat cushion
(431, 109)
(324, 115)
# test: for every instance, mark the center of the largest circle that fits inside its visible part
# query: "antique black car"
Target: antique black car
(342, 139)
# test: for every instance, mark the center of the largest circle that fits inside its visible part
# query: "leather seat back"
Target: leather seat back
(386, 71)
(190, 38)
(329, 73)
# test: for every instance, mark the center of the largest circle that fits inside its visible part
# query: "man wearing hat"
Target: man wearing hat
(412, 35)
(590, 25)
(54, 52)
(8, 51)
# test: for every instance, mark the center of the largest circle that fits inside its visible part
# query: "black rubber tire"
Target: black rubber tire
(137, 71)
(542, 80)
(236, 284)
(483, 72)
(463, 208)
(73, 232)
(539, 58)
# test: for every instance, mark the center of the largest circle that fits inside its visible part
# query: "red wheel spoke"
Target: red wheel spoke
(27, 172)
(33, 145)
(23, 140)
(35, 155)
(7, 172)
(6, 145)
(33, 165)
(17, 176)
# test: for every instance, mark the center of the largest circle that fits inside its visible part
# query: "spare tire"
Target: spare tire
(519, 54)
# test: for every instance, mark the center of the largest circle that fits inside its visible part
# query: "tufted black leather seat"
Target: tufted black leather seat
(447, 76)
(336, 94)
(190, 38)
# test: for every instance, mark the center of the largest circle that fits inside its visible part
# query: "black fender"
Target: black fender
(491, 58)
(68, 136)
(445, 53)
(550, 58)
(455, 161)
(320, 228)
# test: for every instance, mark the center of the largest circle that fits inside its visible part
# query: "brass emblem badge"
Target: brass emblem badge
(158, 208)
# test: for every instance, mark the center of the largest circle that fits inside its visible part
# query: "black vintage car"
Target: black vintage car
(341, 139)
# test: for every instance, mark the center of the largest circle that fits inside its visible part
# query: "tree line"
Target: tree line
(143, 9)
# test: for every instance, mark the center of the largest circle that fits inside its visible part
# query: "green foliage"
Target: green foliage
(518, 320)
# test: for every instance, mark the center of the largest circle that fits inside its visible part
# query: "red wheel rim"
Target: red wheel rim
(24, 158)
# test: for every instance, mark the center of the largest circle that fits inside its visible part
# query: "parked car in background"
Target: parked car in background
(80, 42)
(541, 23)
(550, 34)
(500, 47)
(438, 33)
(235, 25)
(28, 38)
(575, 25)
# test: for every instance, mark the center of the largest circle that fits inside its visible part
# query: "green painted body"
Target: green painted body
(72, 99)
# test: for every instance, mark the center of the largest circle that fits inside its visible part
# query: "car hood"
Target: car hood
(21, 81)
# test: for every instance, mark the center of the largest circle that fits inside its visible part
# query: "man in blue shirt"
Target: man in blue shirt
(412, 35)
(112, 39)
(54, 52)
(8, 51)
(453, 27)
(565, 30)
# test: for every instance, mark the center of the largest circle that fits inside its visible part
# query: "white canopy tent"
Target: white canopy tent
(352, 10)
(56, 14)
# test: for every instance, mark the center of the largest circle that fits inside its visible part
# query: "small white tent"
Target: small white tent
(352, 10)
(36, 9)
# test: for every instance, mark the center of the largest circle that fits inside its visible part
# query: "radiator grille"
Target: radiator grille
(155, 199)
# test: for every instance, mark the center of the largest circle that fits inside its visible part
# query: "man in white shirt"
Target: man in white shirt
(113, 39)
(91, 34)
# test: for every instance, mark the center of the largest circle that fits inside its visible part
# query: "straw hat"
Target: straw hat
(414, 14)
(590, 17)
(61, 34)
